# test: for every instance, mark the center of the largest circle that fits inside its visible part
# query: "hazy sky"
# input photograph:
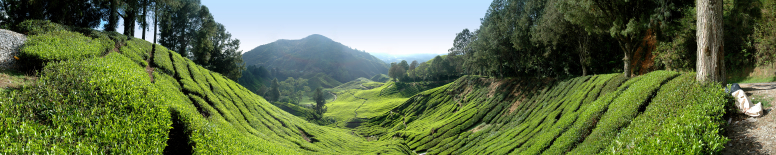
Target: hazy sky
(395, 26)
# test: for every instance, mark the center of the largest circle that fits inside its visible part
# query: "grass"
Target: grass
(10, 80)
(751, 79)
(765, 100)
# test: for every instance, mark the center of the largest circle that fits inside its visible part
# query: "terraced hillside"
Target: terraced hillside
(658, 113)
(111, 95)
(128, 99)
(362, 99)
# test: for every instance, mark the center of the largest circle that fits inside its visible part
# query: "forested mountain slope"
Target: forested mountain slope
(312, 55)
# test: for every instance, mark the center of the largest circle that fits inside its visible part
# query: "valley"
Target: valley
(536, 77)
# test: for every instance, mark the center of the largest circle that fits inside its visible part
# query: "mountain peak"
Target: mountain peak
(316, 37)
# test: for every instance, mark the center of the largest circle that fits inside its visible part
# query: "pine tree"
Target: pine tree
(320, 103)
(274, 91)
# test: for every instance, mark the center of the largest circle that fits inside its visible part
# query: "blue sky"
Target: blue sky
(395, 26)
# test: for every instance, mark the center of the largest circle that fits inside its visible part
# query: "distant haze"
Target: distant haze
(397, 26)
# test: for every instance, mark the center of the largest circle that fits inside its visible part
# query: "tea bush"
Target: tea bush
(137, 50)
(92, 106)
(62, 45)
(162, 60)
(682, 116)
(585, 115)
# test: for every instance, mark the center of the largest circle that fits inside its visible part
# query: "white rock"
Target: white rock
(10, 43)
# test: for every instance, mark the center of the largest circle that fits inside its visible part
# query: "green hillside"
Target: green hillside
(107, 103)
(312, 55)
(658, 113)
(106, 94)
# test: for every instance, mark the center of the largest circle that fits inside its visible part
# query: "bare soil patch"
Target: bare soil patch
(14, 80)
(753, 135)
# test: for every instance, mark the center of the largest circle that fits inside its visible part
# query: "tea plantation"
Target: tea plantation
(98, 98)
(658, 113)
(106, 103)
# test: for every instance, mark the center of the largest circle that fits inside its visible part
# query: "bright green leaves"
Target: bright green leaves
(99, 105)
(62, 45)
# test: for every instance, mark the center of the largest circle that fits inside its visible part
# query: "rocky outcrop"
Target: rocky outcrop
(10, 43)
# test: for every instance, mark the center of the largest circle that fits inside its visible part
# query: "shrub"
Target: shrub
(162, 60)
(622, 110)
(61, 45)
(137, 50)
(34, 27)
(685, 116)
(93, 106)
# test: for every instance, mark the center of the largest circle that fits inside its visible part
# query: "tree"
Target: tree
(438, 67)
(626, 21)
(413, 65)
(710, 64)
(274, 91)
(225, 57)
(179, 23)
(130, 11)
(411, 71)
(320, 103)
(143, 20)
(393, 71)
(558, 34)
(113, 15)
(203, 41)
(404, 65)
(461, 43)
(80, 13)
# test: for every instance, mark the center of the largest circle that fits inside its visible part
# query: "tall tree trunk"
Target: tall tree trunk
(583, 41)
(113, 17)
(627, 49)
(710, 63)
(145, 23)
(156, 15)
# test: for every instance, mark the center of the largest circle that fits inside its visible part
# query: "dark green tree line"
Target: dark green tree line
(185, 26)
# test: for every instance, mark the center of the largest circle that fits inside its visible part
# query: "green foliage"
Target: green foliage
(623, 109)
(137, 50)
(62, 45)
(584, 115)
(98, 105)
(677, 121)
(764, 34)
(108, 104)
(677, 51)
(380, 78)
(163, 61)
(35, 27)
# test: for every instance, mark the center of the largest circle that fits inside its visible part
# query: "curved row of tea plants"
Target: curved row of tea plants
(107, 104)
(599, 114)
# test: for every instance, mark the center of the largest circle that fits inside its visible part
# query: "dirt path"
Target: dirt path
(359, 106)
(753, 135)
(362, 86)
(335, 97)
(149, 69)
